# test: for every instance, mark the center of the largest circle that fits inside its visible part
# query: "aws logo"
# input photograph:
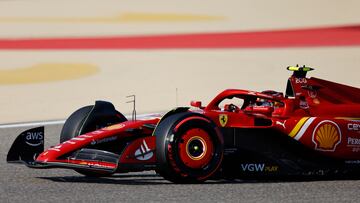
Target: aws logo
(34, 138)
(326, 136)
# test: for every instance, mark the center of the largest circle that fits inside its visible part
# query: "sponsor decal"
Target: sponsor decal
(351, 141)
(98, 165)
(316, 101)
(77, 139)
(353, 127)
(258, 167)
(354, 143)
(326, 136)
(281, 123)
(300, 80)
(56, 148)
(34, 138)
(143, 153)
(223, 119)
(115, 127)
(356, 149)
(94, 165)
(86, 136)
(104, 140)
(312, 93)
(96, 132)
(303, 104)
(352, 161)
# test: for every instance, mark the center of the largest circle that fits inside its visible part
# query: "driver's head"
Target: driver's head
(263, 102)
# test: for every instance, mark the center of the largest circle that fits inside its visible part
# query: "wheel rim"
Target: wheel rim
(196, 148)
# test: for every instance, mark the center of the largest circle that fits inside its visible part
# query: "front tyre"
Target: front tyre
(189, 148)
(73, 124)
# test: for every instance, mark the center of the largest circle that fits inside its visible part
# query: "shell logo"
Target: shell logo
(326, 136)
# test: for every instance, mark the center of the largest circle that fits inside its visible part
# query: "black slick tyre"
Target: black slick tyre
(74, 126)
(189, 148)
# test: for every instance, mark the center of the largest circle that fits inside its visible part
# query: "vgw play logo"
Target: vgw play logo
(260, 167)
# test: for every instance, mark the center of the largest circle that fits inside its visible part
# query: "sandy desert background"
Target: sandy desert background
(38, 84)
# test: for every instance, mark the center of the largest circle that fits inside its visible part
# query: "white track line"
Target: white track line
(58, 122)
(31, 124)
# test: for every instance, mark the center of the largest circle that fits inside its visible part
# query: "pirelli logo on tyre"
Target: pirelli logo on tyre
(326, 136)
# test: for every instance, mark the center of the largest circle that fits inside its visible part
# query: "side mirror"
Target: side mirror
(196, 104)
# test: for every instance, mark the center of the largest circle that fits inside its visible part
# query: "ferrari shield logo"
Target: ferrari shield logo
(223, 119)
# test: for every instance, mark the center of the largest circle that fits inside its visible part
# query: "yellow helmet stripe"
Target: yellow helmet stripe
(293, 68)
(297, 68)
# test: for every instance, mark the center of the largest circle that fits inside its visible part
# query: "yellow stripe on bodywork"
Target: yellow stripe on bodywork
(298, 126)
(348, 118)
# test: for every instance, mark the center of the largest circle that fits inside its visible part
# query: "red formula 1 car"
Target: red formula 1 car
(312, 130)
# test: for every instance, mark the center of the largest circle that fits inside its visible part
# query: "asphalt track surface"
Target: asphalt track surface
(21, 184)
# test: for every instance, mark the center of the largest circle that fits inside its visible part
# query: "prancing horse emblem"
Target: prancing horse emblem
(223, 119)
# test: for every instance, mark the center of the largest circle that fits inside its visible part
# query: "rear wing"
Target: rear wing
(294, 84)
(299, 72)
(316, 91)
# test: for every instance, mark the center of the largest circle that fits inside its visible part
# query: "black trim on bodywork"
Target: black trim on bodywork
(95, 155)
(289, 89)
(125, 168)
(269, 148)
(27, 146)
(102, 111)
(172, 112)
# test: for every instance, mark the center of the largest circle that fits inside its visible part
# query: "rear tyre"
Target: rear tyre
(74, 126)
(189, 148)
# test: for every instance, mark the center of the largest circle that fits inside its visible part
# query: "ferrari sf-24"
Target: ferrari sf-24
(313, 129)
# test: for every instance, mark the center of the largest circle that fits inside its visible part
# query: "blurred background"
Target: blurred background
(57, 56)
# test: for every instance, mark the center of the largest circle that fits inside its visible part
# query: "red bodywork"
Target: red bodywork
(322, 115)
(114, 132)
